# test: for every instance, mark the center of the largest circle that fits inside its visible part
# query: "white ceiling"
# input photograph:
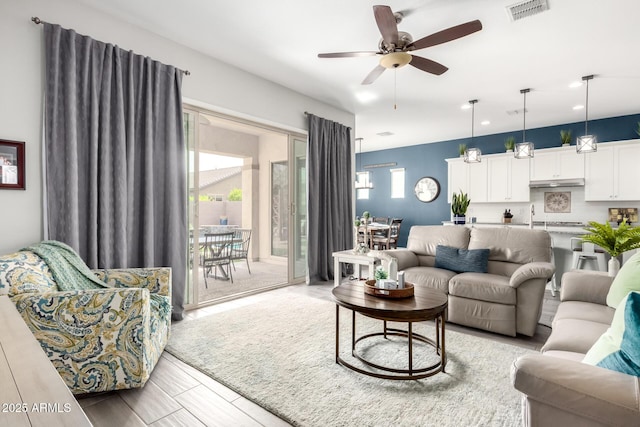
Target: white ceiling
(280, 39)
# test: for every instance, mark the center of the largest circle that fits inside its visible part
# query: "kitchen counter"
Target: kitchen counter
(576, 229)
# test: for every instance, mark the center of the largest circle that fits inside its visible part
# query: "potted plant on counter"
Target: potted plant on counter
(614, 241)
(461, 149)
(565, 137)
(459, 204)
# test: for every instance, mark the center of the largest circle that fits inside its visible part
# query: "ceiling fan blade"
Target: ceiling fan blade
(447, 35)
(386, 24)
(346, 54)
(373, 75)
(427, 65)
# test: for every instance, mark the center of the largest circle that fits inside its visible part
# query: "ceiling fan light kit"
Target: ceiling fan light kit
(587, 143)
(524, 149)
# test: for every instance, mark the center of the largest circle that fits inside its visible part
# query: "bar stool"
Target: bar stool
(585, 251)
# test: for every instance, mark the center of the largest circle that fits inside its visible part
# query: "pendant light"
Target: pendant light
(524, 149)
(472, 155)
(587, 143)
(362, 178)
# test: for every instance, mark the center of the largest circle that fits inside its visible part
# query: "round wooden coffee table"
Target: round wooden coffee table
(426, 304)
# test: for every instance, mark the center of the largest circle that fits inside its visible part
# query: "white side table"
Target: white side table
(357, 260)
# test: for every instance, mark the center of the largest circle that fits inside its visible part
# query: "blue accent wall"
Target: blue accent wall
(429, 160)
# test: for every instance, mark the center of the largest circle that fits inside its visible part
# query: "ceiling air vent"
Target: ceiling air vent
(526, 8)
(386, 133)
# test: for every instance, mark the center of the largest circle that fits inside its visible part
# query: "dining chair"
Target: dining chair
(381, 239)
(240, 246)
(395, 232)
(381, 219)
(217, 255)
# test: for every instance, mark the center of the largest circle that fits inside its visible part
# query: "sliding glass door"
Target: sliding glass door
(245, 176)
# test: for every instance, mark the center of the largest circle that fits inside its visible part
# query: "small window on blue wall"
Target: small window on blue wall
(397, 183)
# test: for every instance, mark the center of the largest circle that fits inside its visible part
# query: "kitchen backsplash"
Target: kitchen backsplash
(581, 211)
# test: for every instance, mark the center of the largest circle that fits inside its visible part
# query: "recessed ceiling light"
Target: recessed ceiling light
(465, 106)
(578, 107)
(575, 85)
(485, 122)
(365, 97)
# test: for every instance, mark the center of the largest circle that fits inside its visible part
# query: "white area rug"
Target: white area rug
(281, 354)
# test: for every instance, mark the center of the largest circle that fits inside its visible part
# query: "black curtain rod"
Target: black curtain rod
(39, 21)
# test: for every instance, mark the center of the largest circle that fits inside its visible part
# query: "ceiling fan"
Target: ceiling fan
(396, 45)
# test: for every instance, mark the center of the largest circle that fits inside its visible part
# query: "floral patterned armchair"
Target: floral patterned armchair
(98, 339)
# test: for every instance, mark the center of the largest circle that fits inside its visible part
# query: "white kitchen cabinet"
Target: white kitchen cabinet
(557, 163)
(470, 178)
(507, 178)
(612, 172)
(477, 182)
(457, 177)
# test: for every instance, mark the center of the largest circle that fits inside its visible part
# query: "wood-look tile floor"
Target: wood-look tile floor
(179, 395)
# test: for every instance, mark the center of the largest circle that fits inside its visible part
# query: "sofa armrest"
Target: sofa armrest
(156, 279)
(587, 286)
(532, 270)
(404, 257)
(598, 394)
(97, 339)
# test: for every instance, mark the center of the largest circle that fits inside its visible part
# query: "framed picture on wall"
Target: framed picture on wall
(11, 165)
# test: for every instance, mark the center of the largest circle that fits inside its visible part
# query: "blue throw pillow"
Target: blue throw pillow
(462, 260)
(618, 348)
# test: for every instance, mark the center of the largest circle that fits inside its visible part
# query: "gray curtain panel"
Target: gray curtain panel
(115, 156)
(330, 195)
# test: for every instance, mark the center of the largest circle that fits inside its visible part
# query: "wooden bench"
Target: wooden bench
(31, 391)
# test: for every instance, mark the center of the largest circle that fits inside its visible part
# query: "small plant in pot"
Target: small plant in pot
(462, 148)
(509, 144)
(614, 241)
(459, 204)
(565, 137)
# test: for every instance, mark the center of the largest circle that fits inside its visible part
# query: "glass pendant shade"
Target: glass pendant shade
(472, 155)
(363, 179)
(587, 144)
(523, 150)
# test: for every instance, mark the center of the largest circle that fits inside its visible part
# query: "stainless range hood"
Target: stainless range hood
(552, 183)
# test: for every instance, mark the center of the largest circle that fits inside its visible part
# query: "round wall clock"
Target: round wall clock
(427, 189)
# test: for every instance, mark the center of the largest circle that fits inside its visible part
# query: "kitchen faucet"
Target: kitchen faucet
(532, 212)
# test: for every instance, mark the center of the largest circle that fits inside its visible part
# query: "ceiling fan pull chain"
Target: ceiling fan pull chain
(395, 88)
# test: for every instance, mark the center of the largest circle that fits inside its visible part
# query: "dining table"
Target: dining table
(372, 228)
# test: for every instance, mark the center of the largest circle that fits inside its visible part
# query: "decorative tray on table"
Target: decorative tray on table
(371, 289)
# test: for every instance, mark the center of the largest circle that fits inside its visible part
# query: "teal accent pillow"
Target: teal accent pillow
(462, 260)
(618, 349)
(627, 280)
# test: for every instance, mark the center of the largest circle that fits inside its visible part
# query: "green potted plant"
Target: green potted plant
(565, 137)
(509, 144)
(638, 129)
(614, 241)
(459, 204)
(462, 148)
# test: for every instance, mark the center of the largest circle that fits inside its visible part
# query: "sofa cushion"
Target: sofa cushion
(618, 348)
(581, 310)
(424, 239)
(483, 287)
(462, 260)
(23, 272)
(435, 278)
(573, 335)
(516, 245)
(627, 280)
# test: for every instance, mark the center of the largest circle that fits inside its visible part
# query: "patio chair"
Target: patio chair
(217, 255)
(240, 247)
